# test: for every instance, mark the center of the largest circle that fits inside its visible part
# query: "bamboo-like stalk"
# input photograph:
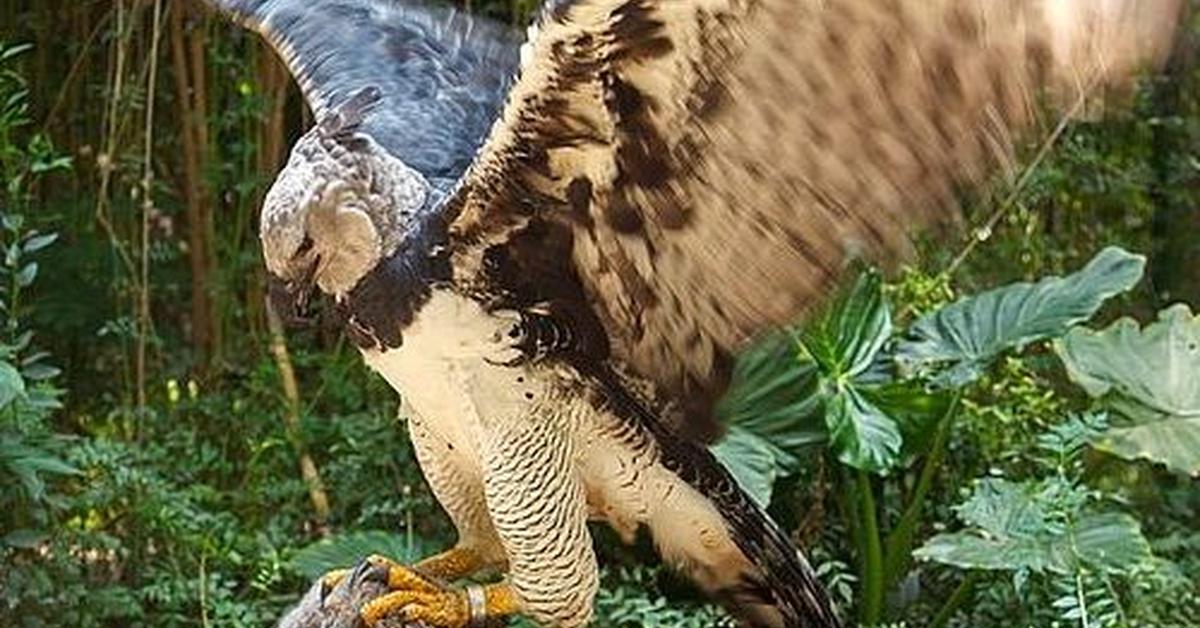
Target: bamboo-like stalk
(193, 135)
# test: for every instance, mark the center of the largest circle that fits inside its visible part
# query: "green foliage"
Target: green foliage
(882, 420)
(1151, 378)
(633, 597)
(956, 343)
(755, 462)
(844, 344)
(1054, 526)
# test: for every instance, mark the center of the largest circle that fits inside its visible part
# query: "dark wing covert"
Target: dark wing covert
(442, 73)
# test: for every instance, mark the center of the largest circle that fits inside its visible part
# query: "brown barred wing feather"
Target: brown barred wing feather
(716, 162)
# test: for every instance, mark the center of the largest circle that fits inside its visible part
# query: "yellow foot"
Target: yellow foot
(439, 609)
(401, 578)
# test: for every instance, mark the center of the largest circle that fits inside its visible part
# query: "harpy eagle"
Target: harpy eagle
(554, 250)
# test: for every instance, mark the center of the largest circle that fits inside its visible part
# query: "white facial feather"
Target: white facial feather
(338, 207)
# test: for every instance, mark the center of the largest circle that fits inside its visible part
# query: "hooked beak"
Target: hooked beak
(291, 299)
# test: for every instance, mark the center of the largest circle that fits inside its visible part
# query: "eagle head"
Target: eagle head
(340, 205)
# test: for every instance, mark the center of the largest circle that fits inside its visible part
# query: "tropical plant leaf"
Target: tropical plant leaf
(754, 462)
(845, 341)
(346, 550)
(774, 393)
(823, 386)
(973, 551)
(1110, 539)
(955, 344)
(1008, 530)
(1003, 509)
(860, 433)
(915, 410)
(1149, 377)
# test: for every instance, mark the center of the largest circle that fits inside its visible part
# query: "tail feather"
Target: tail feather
(783, 591)
(786, 584)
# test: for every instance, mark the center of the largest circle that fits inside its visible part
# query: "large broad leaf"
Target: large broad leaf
(1008, 530)
(954, 345)
(346, 550)
(1110, 539)
(1150, 378)
(821, 387)
(754, 462)
(860, 433)
(774, 413)
(844, 343)
(774, 394)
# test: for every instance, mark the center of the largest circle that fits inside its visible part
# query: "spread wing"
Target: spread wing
(442, 74)
(715, 162)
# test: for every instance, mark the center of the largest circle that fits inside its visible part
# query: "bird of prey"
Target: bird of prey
(554, 249)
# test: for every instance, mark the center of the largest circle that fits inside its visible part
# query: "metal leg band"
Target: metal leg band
(476, 606)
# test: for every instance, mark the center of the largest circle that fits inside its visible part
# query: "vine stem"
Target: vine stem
(1011, 199)
(898, 546)
(143, 297)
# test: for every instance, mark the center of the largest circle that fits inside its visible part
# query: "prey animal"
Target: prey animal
(553, 250)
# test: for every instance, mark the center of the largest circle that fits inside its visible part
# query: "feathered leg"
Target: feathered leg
(538, 506)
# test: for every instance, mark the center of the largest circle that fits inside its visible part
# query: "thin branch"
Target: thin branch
(143, 305)
(1011, 199)
(75, 67)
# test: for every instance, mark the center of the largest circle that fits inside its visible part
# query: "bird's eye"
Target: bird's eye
(305, 246)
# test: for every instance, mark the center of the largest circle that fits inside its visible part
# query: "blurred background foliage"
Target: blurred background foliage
(167, 458)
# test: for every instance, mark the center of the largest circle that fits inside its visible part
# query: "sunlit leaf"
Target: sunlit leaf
(1008, 530)
(12, 384)
(1150, 379)
(955, 344)
(39, 242)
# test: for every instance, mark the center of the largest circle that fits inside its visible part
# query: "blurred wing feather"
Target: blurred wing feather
(717, 161)
(442, 73)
